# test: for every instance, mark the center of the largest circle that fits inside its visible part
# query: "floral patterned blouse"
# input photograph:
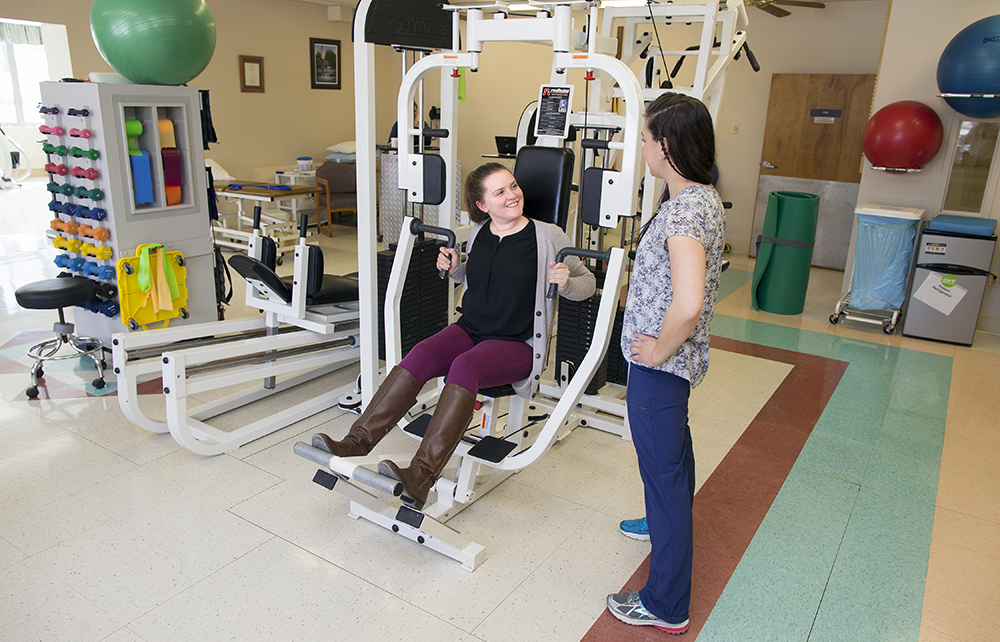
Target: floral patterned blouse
(695, 211)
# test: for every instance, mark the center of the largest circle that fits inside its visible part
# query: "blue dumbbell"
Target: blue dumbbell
(109, 308)
(70, 209)
(68, 262)
(55, 205)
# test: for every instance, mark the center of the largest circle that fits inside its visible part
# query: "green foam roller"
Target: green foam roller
(781, 274)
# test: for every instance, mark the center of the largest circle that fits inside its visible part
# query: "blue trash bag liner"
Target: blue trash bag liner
(881, 262)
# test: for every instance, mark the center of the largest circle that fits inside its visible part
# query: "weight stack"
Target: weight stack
(423, 308)
(617, 366)
(575, 331)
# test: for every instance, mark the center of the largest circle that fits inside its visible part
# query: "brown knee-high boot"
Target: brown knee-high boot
(394, 397)
(451, 418)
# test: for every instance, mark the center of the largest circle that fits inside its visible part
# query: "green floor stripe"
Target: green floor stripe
(842, 553)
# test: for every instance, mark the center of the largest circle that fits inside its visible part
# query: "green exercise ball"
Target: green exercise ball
(154, 42)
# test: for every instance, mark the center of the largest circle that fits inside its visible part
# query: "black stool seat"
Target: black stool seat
(50, 294)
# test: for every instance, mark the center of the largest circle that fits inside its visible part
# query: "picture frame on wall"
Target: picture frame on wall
(324, 63)
(252, 74)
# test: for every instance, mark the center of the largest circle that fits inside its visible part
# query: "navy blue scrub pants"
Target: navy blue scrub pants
(658, 416)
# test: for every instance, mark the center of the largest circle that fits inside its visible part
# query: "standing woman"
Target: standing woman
(501, 338)
(665, 339)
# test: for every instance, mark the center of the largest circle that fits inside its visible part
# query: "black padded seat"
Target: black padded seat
(333, 289)
(506, 390)
(545, 175)
(50, 294)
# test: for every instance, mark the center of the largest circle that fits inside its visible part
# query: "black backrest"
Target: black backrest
(545, 175)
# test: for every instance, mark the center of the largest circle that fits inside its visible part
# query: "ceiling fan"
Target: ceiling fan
(771, 6)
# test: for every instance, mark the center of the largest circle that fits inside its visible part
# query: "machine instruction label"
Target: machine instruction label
(941, 292)
(936, 248)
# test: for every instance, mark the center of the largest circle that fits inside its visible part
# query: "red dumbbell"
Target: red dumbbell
(60, 169)
(80, 133)
(85, 172)
(56, 131)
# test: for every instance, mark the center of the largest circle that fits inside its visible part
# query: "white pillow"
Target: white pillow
(347, 147)
(218, 173)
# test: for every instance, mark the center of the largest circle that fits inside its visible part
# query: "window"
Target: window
(969, 179)
(23, 65)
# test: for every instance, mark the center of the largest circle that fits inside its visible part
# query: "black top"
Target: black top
(502, 278)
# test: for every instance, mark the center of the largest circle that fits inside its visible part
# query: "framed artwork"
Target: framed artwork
(324, 63)
(252, 73)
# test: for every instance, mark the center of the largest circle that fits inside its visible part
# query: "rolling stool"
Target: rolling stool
(55, 294)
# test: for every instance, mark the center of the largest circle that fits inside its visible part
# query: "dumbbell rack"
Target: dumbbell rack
(96, 219)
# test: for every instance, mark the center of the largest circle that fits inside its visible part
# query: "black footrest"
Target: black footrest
(492, 449)
(418, 426)
(325, 479)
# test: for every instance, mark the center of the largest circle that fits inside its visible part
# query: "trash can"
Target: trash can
(882, 259)
(784, 256)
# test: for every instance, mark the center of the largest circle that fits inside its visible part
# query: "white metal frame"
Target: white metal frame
(458, 487)
(181, 354)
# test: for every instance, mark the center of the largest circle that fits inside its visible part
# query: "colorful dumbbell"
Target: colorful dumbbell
(69, 209)
(70, 227)
(99, 233)
(49, 110)
(105, 272)
(70, 263)
(100, 252)
(95, 213)
(60, 169)
(56, 206)
(55, 131)
(107, 308)
(83, 172)
(76, 112)
(72, 245)
(80, 133)
(77, 152)
(56, 188)
(93, 194)
(58, 150)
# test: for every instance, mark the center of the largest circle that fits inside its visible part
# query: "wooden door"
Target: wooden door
(812, 143)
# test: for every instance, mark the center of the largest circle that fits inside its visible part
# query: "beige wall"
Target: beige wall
(290, 118)
(843, 38)
(917, 34)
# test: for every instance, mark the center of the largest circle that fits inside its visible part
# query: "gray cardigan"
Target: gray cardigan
(582, 284)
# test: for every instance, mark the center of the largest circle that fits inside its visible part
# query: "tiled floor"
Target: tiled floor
(846, 490)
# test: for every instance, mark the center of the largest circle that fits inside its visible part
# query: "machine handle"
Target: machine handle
(752, 59)
(416, 227)
(303, 225)
(434, 133)
(256, 217)
(583, 254)
(593, 143)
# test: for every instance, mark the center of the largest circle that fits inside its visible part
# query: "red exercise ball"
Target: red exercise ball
(902, 135)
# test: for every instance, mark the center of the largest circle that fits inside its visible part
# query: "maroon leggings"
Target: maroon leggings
(473, 366)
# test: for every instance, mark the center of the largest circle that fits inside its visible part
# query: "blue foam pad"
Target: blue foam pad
(972, 225)
(142, 179)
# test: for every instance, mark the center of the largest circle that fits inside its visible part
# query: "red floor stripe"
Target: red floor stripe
(732, 503)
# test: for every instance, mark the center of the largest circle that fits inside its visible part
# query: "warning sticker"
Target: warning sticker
(941, 292)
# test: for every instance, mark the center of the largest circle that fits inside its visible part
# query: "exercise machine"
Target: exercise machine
(308, 329)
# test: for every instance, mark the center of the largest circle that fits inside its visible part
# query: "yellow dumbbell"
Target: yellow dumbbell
(101, 252)
(63, 243)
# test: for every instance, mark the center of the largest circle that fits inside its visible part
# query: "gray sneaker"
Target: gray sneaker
(628, 608)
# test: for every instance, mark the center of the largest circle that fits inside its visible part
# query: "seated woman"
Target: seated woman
(501, 338)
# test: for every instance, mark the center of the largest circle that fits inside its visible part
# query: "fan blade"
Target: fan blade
(800, 3)
(777, 12)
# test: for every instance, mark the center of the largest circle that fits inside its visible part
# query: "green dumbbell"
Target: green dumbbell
(58, 150)
(53, 187)
(93, 194)
(92, 154)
